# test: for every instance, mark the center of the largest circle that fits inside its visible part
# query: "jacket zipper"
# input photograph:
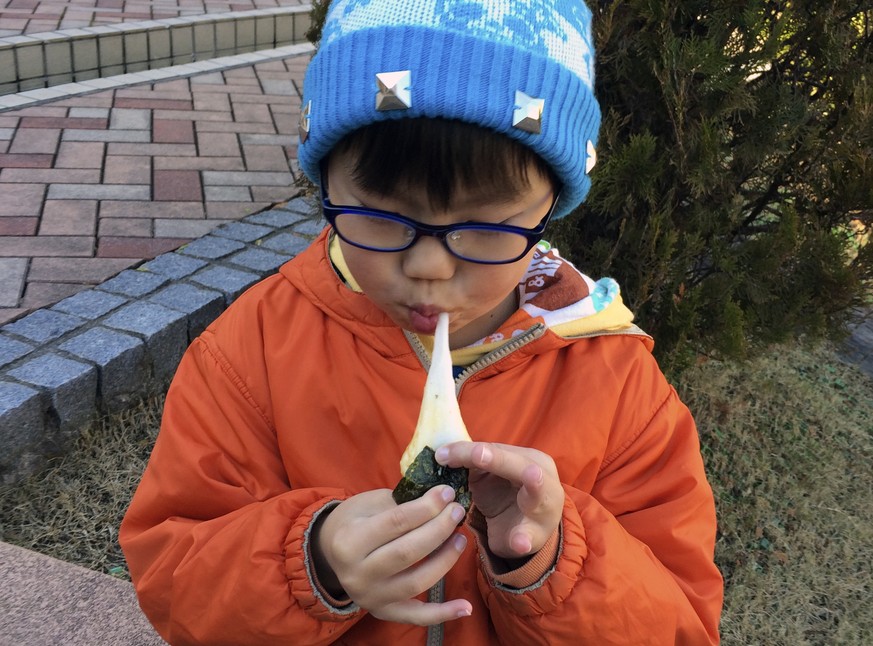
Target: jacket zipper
(436, 594)
(531, 334)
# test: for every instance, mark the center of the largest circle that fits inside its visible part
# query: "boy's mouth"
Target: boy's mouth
(423, 318)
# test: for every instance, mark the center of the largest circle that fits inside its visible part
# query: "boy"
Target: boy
(443, 136)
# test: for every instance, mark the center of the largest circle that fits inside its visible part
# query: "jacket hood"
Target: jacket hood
(552, 292)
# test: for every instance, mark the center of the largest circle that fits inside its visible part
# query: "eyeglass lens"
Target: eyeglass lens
(390, 235)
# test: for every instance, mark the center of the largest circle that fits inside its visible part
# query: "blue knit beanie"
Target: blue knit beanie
(524, 68)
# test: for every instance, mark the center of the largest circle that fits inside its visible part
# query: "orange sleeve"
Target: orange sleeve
(635, 563)
(214, 532)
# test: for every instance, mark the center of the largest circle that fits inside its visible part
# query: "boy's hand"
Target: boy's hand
(517, 490)
(382, 554)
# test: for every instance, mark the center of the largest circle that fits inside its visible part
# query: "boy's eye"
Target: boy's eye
(381, 222)
(475, 235)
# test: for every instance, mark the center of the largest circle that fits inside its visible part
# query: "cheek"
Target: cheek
(496, 283)
(367, 267)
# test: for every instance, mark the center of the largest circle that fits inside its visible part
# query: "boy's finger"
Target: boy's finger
(412, 581)
(531, 494)
(420, 613)
(397, 520)
(408, 516)
(424, 542)
(485, 456)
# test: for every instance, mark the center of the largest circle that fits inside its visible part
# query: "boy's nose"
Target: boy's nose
(428, 259)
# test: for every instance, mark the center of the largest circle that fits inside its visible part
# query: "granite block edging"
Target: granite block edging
(97, 351)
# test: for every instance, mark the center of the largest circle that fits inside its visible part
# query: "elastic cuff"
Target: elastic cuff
(534, 570)
(339, 605)
(531, 573)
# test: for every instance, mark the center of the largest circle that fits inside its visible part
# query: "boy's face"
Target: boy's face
(414, 285)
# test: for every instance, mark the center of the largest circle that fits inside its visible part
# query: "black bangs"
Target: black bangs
(442, 157)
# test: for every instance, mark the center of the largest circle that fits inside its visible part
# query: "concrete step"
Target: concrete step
(47, 601)
(45, 60)
(29, 98)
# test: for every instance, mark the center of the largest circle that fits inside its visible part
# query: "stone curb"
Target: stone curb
(101, 349)
(47, 601)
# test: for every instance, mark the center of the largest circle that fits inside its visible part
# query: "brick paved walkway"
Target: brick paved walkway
(34, 16)
(94, 184)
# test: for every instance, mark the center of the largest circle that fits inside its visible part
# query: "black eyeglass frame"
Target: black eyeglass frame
(533, 236)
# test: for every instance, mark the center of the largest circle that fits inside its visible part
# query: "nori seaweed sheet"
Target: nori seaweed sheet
(425, 473)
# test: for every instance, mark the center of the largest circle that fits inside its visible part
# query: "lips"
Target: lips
(423, 318)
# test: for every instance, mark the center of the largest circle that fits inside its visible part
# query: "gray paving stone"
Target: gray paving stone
(307, 206)
(242, 231)
(211, 247)
(229, 282)
(94, 113)
(11, 350)
(310, 227)
(164, 330)
(12, 274)
(90, 304)
(259, 260)
(120, 360)
(247, 178)
(43, 325)
(99, 192)
(276, 218)
(134, 283)
(111, 136)
(288, 244)
(174, 265)
(202, 306)
(130, 119)
(281, 87)
(22, 427)
(71, 386)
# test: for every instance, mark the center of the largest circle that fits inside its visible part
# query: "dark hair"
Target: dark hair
(441, 156)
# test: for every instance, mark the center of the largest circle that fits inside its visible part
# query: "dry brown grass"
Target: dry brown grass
(788, 440)
(72, 511)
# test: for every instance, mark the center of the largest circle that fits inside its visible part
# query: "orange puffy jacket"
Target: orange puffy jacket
(303, 393)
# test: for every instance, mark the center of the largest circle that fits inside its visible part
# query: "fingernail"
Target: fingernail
(458, 514)
(460, 542)
(447, 494)
(486, 454)
(465, 612)
(442, 454)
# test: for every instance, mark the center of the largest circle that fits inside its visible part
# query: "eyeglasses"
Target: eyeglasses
(376, 230)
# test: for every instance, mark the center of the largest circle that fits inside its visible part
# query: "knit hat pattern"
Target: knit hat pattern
(523, 68)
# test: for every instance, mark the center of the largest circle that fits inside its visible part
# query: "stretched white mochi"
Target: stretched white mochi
(439, 421)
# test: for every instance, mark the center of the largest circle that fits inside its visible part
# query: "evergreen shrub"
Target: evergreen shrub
(734, 187)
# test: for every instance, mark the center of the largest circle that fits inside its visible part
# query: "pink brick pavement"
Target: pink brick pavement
(95, 184)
